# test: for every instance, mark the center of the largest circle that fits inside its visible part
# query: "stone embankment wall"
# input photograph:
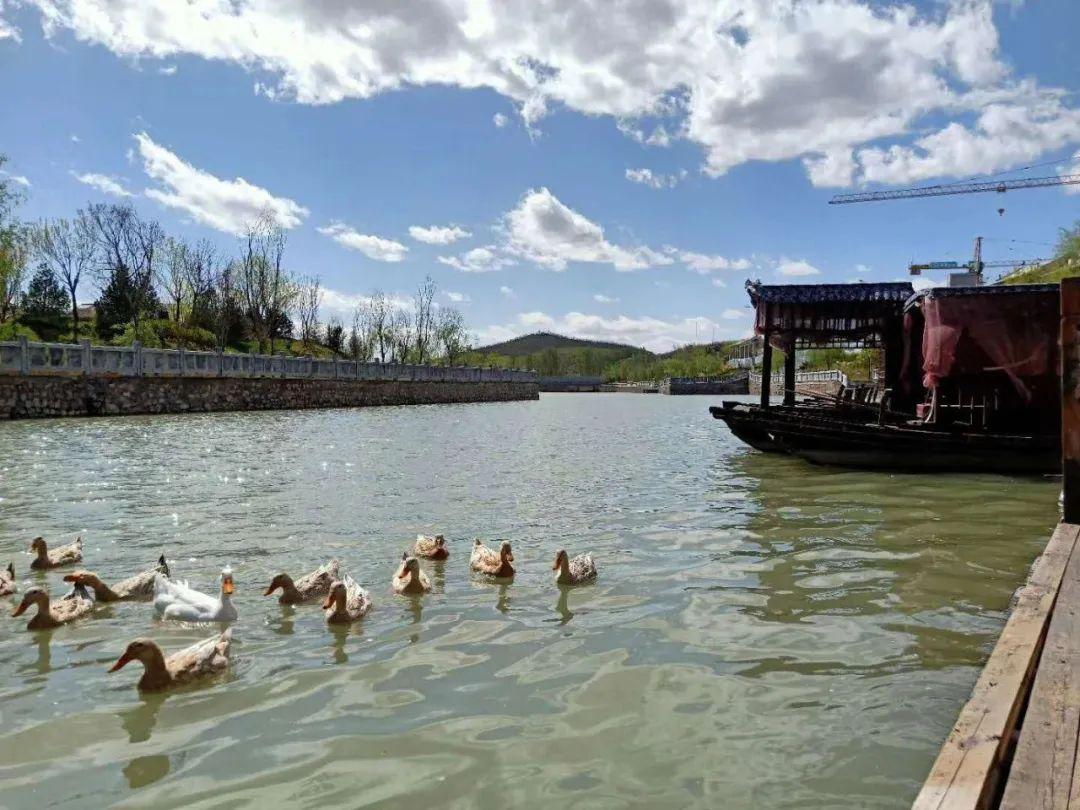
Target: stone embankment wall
(687, 385)
(32, 396)
(827, 388)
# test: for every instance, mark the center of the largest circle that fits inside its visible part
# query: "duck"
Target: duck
(62, 555)
(492, 563)
(8, 586)
(573, 572)
(308, 587)
(431, 548)
(201, 660)
(140, 586)
(53, 614)
(178, 600)
(409, 579)
(346, 602)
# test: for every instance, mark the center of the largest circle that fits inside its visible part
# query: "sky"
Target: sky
(612, 169)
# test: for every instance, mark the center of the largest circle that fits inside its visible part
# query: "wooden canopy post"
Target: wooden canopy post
(789, 372)
(1070, 399)
(766, 372)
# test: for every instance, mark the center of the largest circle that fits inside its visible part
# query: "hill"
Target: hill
(542, 341)
(1049, 273)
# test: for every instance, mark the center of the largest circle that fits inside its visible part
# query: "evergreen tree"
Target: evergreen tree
(120, 302)
(45, 299)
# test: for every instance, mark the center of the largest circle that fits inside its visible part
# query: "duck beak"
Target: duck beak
(228, 587)
(21, 609)
(120, 662)
(329, 603)
(555, 567)
(509, 557)
(269, 590)
(70, 578)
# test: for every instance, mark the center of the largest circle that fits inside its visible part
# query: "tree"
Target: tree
(361, 336)
(45, 299)
(451, 335)
(378, 319)
(203, 271)
(174, 274)
(129, 249)
(307, 309)
(222, 305)
(423, 320)
(265, 288)
(401, 336)
(14, 253)
(69, 249)
(335, 336)
(121, 303)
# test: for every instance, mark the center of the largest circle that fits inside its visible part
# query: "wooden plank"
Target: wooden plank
(766, 372)
(1070, 399)
(966, 772)
(1041, 773)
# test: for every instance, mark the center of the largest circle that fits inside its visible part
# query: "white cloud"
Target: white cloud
(734, 314)
(838, 83)
(654, 334)
(600, 298)
(374, 247)
(343, 304)
(704, 263)
(500, 120)
(1073, 169)
(8, 30)
(793, 267)
(103, 183)
(76, 139)
(438, 235)
(458, 298)
(226, 205)
(545, 231)
(485, 259)
(19, 180)
(718, 282)
(648, 177)
(168, 70)
(507, 292)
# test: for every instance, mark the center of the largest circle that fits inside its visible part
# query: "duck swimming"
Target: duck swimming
(573, 572)
(61, 555)
(140, 586)
(346, 602)
(431, 548)
(308, 587)
(494, 564)
(409, 579)
(53, 614)
(200, 660)
(8, 586)
(179, 601)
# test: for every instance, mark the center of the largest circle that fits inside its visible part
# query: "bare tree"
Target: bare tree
(224, 303)
(401, 335)
(125, 241)
(362, 336)
(68, 248)
(423, 320)
(173, 274)
(451, 334)
(265, 287)
(203, 269)
(307, 309)
(378, 317)
(14, 255)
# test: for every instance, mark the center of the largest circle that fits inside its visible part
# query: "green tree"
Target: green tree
(121, 302)
(44, 299)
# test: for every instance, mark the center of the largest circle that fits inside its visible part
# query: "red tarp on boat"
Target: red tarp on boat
(991, 329)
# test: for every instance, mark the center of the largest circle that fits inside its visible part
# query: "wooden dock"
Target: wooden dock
(1015, 744)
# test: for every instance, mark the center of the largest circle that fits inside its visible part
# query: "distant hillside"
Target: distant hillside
(542, 341)
(1049, 273)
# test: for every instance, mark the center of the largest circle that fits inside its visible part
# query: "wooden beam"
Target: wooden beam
(968, 769)
(789, 375)
(1041, 773)
(1070, 399)
(766, 372)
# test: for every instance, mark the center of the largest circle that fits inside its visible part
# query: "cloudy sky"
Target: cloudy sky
(605, 168)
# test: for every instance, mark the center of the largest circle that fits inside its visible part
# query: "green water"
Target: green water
(763, 633)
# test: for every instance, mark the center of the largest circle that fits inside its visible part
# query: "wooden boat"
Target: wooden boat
(824, 437)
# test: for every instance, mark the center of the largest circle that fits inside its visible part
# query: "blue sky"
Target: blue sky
(609, 169)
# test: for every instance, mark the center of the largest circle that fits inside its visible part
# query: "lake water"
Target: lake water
(763, 633)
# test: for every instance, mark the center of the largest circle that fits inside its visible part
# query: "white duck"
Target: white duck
(178, 600)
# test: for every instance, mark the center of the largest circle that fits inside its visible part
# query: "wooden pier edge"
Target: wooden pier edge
(968, 770)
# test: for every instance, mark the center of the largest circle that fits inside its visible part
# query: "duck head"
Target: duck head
(440, 541)
(37, 546)
(336, 596)
(86, 578)
(410, 567)
(505, 554)
(11, 570)
(227, 586)
(141, 649)
(283, 581)
(560, 560)
(33, 596)
(163, 565)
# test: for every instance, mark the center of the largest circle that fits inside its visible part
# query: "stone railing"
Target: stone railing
(832, 375)
(23, 357)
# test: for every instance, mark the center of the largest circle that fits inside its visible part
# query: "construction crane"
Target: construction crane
(975, 266)
(998, 186)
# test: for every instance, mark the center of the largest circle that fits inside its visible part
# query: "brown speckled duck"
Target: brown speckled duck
(61, 555)
(431, 548)
(140, 586)
(201, 660)
(310, 586)
(409, 579)
(8, 586)
(573, 572)
(346, 602)
(494, 564)
(53, 614)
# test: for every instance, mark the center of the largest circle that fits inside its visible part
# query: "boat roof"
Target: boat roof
(898, 291)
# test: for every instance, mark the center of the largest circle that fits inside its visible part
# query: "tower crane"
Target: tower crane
(975, 266)
(998, 186)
